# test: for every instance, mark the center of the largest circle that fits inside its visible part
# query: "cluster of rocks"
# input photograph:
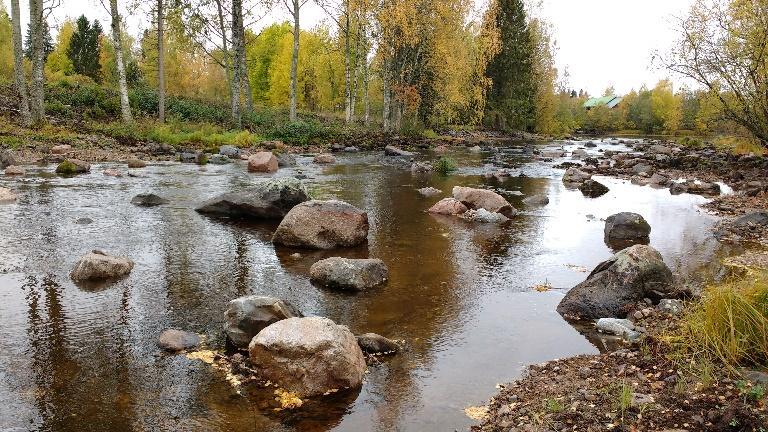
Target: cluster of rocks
(477, 205)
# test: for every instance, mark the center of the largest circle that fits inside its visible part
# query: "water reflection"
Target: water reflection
(459, 294)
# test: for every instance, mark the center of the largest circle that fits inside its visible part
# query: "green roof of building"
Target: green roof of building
(609, 101)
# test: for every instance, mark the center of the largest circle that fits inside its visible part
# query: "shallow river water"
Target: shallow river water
(460, 295)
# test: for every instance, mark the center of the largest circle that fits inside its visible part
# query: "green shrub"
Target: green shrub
(445, 165)
(297, 133)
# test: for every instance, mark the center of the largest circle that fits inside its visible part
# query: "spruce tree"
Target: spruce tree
(511, 102)
(47, 42)
(84, 48)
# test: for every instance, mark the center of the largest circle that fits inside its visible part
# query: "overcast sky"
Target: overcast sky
(601, 42)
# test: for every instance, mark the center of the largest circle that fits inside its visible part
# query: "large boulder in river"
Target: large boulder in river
(308, 356)
(626, 278)
(536, 200)
(148, 200)
(263, 161)
(268, 199)
(7, 196)
(348, 273)
(626, 229)
(322, 225)
(448, 206)
(483, 199)
(97, 265)
(247, 316)
(593, 189)
(72, 167)
(574, 177)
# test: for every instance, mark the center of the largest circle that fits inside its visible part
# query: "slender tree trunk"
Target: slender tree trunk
(18, 66)
(125, 105)
(385, 111)
(243, 65)
(347, 66)
(237, 19)
(366, 99)
(227, 57)
(37, 93)
(295, 60)
(160, 62)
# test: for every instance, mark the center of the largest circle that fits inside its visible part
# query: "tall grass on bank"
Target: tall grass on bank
(729, 325)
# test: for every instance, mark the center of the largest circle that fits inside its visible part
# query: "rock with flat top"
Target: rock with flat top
(247, 316)
(15, 170)
(267, 199)
(322, 225)
(348, 273)
(263, 162)
(448, 206)
(98, 265)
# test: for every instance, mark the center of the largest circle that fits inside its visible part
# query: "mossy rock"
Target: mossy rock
(72, 167)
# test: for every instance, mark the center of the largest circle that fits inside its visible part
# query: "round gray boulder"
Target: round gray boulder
(626, 229)
(308, 356)
(322, 225)
(348, 273)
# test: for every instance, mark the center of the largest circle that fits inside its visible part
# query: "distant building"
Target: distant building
(607, 101)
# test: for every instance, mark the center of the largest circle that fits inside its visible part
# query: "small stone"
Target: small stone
(61, 149)
(371, 343)
(148, 200)
(112, 172)
(177, 340)
(429, 191)
(7, 195)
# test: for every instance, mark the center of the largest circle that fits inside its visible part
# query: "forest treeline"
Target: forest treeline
(391, 64)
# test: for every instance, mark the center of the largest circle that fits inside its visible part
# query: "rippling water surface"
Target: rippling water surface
(459, 295)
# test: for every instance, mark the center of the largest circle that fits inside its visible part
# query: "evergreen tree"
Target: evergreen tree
(84, 49)
(47, 42)
(512, 94)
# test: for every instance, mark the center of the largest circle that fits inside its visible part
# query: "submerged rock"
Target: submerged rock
(97, 265)
(324, 158)
(308, 356)
(395, 151)
(148, 200)
(484, 216)
(420, 168)
(177, 340)
(219, 159)
(536, 200)
(322, 225)
(263, 161)
(136, 163)
(429, 191)
(593, 189)
(626, 229)
(483, 199)
(268, 199)
(7, 196)
(372, 343)
(286, 160)
(247, 316)
(13, 170)
(448, 206)
(348, 273)
(628, 277)
(73, 166)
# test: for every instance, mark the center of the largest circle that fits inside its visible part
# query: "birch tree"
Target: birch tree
(160, 62)
(18, 65)
(294, 6)
(125, 106)
(37, 23)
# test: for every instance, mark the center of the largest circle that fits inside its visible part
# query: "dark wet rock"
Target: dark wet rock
(230, 151)
(173, 340)
(372, 343)
(84, 221)
(486, 199)
(219, 159)
(324, 158)
(484, 216)
(268, 199)
(536, 200)
(286, 160)
(15, 170)
(308, 356)
(678, 188)
(148, 200)
(703, 188)
(193, 157)
(322, 225)
(642, 168)
(574, 177)
(590, 144)
(7, 196)
(136, 163)
(395, 151)
(72, 167)
(626, 229)
(348, 273)
(247, 316)
(97, 265)
(6, 159)
(429, 191)
(626, 278)
(448, 206)
(758, 218)
(593, 189)
(263, 161)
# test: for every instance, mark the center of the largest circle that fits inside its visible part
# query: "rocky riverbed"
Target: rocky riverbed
(468, 294)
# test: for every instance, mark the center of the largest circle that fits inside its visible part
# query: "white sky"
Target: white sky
(601, 42)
